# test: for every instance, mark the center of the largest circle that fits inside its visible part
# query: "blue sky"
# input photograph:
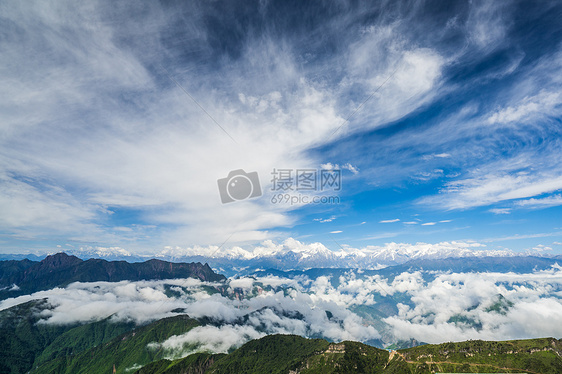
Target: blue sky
(117, 120)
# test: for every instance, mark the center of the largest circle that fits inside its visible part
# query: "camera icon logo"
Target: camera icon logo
(239, 185)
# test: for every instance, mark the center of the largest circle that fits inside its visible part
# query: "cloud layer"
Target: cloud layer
(431, 307)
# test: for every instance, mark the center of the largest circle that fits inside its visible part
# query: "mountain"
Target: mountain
(25, 276)
(28, 344)
(111, 346)
(22, 338)
(291, 354)
(293, 255)
(126, 352)
(518, 264)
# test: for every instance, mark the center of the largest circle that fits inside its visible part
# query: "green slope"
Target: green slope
(193, 364)
(21, 338)
(281, 354)
(81, 338)
(126, 351)
(294, 354)
(532, 356)
(270, 354)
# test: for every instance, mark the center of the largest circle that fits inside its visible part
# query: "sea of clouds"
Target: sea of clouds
(430, 307)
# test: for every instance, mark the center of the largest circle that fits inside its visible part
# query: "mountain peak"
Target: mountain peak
(59, 260)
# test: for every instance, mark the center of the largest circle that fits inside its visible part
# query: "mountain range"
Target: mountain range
(31, 344)
(108, 346)
(26, 276)
(293, 255)
(296, 355)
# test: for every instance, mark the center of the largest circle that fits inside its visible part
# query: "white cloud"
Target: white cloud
(207, 339)
(390, 220)
(82, 302)
(500, 210)
(486, 23)
(347, 166)
(470, 295)
(436, 155)
(324, 220)
(529, 109)
(544, 202)
(493, 188)
(92, 128)
(300, 306)
(270, 312)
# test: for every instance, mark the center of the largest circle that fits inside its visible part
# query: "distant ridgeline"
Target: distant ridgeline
(25, 276)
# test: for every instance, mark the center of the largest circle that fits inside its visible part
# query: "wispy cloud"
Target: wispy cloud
(545, 202)
(500, 210)
(324, 220)
(100, 146)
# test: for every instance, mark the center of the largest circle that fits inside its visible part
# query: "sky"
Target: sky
(441, 121)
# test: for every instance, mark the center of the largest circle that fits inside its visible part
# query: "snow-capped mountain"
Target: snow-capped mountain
(293, 254)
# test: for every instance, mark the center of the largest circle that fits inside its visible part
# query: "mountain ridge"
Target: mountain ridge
(61, 269)
(293, 254)
(292, 354)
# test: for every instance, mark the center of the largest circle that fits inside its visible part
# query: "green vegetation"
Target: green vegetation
(83, 337)
(125, 352)
(193, 364)
(270, 354)
(501, 305)
(294, 354)
(347, 357)
(22, 338)
(533, 356)
(459, 319)
(28, 345)
(98, 347)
